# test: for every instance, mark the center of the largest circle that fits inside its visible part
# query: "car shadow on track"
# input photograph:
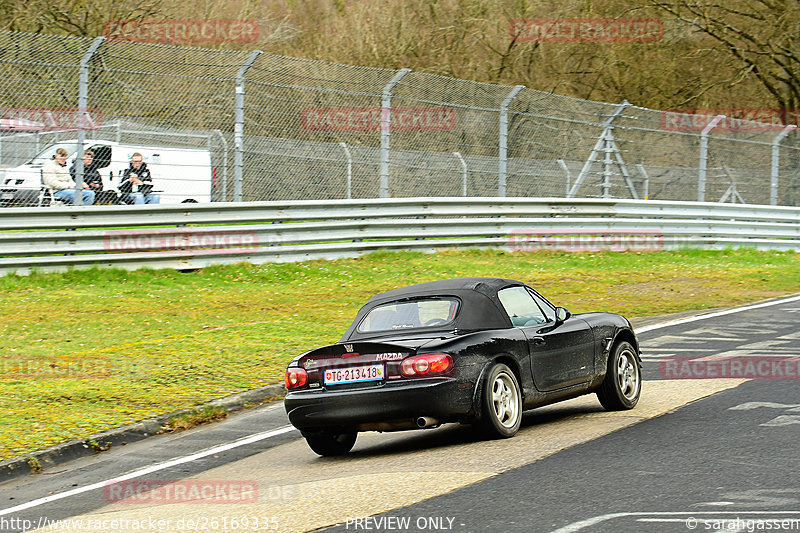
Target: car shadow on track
(449, 435)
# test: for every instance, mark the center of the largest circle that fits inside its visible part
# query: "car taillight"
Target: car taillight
(426, 364)
(295, 378)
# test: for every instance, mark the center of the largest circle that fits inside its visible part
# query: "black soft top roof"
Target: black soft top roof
(480, 308)
(486, 286)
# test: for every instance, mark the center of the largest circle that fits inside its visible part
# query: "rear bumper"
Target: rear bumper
(390, 406)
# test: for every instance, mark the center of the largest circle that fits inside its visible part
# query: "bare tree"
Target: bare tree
(761, 36)
(74, 17)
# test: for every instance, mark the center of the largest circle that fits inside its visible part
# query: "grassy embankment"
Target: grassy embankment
(85, 351)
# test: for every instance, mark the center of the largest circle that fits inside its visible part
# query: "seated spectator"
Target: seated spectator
(93, 181)
(56, 176)
(136, 184)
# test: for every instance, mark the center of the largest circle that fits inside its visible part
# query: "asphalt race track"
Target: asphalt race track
(704, 465)
(710, 447)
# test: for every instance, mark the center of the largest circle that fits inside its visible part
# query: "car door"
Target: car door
(561, 353)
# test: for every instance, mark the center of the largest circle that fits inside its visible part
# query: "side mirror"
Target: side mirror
(562, 314)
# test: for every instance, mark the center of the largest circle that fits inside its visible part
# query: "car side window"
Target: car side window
(520, 307)
(545, 306)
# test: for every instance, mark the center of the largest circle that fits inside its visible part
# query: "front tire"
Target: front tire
(331, 443)
(622, 385)
(501, 403)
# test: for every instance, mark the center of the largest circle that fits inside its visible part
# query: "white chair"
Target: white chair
(46, 194)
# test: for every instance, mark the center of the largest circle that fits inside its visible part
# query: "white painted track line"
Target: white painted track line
(718, 313)
(150, 469)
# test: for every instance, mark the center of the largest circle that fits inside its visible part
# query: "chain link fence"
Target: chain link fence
(247, 126)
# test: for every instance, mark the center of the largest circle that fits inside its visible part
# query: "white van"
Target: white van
(179, 174)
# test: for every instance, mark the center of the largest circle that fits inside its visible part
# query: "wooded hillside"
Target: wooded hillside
(741, 54)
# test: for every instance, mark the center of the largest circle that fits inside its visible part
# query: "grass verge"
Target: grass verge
(85, 351)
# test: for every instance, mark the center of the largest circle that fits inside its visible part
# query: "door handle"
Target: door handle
(538, 341)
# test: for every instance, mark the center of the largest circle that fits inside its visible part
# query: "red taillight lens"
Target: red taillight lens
(426, 364)
(295, 378)
(441, 364)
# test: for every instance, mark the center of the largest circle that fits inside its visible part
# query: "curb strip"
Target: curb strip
(74, 449)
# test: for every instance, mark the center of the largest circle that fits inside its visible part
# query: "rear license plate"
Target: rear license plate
(355, 374)
(7, 196)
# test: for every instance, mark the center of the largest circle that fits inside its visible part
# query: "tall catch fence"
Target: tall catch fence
(266, 127)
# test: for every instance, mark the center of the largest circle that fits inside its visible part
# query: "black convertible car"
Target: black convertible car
(470, 350)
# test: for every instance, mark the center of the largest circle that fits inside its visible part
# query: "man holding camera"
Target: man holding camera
(136, 185)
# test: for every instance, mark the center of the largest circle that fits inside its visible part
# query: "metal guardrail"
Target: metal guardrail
(189, 236)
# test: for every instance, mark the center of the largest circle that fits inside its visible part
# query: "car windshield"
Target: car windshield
(411, 314)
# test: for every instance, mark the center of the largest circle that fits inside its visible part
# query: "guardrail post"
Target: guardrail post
(238, 127)
(701, 178)
(776, 154)
(386, 121)
(83, 104)
(463, 173)
(349, 182)
(503, 149)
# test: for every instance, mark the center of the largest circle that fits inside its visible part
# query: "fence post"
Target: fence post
(238, 127)
(776, 154)
(224, 143)
(701, 178)
(349, 182)
(83, 103)
(646, 182)
(386, 120)
(503, 149)
(607, 172)
(463, 173)
(565, 168)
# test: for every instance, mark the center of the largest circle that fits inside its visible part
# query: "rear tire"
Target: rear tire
(622, 385)
(331, 443)
(501, 403)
